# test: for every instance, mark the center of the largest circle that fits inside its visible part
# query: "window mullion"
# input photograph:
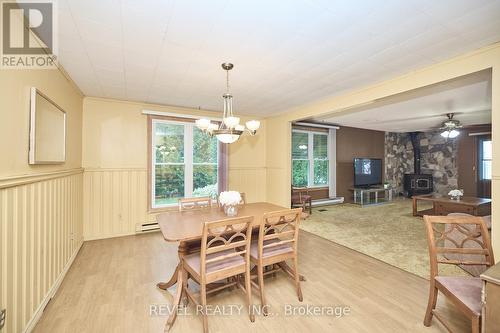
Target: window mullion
(310, 153)
(153, 165)
(188, 160)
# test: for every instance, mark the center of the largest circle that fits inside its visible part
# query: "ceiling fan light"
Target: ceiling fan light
(240, 128)
(445, 134)
(453, 134)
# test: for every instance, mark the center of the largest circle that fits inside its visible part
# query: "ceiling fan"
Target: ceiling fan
(450, 127)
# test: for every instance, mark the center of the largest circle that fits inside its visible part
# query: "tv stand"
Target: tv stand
(368, 196)
(367, 187)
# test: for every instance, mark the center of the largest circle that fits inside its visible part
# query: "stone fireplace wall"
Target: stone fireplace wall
(438, 157)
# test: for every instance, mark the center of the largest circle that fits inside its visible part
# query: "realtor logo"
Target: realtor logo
(28, 35)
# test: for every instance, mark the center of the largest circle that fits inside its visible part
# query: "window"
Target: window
(300, 159)
(310, 159)
(184, 162)
(321, 162)
(486, 154)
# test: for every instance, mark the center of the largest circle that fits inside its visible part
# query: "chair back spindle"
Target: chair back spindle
(220, 236)
(278, 228)
(194, 203)
(470, 244)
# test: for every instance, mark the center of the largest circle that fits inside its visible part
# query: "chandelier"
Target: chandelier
(229, 130)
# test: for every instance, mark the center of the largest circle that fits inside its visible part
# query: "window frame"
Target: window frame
(188, 164)
(482, 159)
(310, 156)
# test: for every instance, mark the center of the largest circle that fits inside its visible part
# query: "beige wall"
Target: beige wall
(278, 161)
(15, 112)
(115, 162)
(278, 128)
(41, 205)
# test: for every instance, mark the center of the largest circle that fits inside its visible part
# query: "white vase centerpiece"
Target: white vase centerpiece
(230, 200)
(456, 194)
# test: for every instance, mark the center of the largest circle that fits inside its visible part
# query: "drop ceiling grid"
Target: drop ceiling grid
(285, 56)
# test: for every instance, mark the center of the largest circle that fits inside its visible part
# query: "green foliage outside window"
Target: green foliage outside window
(301, 159)
(320, 152)
(170, 169)
(300, 173)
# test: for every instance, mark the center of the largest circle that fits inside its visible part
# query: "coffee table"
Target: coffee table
(443, 205)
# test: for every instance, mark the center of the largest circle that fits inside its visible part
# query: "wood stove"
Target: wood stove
(417, 182)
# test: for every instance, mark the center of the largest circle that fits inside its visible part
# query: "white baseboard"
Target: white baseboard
(53, 290)
(91, 238)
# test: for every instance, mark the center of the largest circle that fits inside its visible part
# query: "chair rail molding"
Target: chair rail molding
(12, 181)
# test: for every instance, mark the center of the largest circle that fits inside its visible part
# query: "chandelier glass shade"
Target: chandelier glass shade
(229, 129)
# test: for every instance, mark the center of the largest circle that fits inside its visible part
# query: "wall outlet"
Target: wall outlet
(2, 318)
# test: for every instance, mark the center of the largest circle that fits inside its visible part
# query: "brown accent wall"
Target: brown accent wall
(351, 143)
(319, 193)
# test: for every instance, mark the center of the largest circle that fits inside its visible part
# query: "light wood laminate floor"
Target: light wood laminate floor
(112, 285)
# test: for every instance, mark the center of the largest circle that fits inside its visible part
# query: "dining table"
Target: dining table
(186, 228)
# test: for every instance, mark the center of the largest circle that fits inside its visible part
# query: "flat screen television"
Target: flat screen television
(367, 172)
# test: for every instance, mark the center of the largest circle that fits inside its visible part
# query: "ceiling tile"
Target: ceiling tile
(286, 53)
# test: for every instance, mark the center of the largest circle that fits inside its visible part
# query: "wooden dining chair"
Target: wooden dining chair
(187, 204)
(474, 270)
(277, 242)
(225, 253)
(301, 198)
(464, 292)
(194, 203)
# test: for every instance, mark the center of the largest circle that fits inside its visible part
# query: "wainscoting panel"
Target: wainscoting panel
(115, 202)
(40, 234)
(250, 180)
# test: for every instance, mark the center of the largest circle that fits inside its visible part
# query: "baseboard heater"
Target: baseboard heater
(330, 201)
(147, 227)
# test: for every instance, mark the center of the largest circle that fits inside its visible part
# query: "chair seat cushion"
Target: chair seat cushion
(300, 198)
(466, 289)
(193, 260)
(269, 251)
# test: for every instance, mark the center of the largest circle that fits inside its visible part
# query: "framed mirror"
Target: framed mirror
(47, 130)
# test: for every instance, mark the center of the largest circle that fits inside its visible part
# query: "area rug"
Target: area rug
(387, 232)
